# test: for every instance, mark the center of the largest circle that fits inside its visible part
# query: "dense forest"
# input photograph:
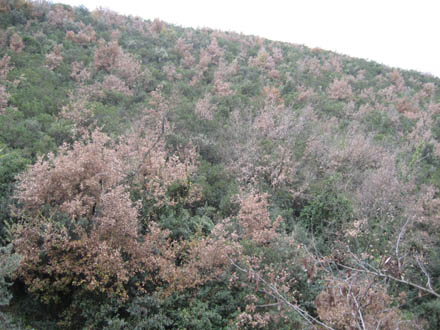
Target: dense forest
(159, 177)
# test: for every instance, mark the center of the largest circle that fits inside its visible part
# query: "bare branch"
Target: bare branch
(358, 307)
(428, 278)
(399, 238)
(276, 294)
(367, 268)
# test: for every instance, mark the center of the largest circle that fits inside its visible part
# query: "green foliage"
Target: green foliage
(430, 311)
(108, 117)
(182, 224)
(327, 211)
(333, 108)
(218, 188)
(212, 307)
(11, 163)
(380, 123)
(19, 13)
(26, 135)
(9, 262)
(41, 91)
(428, 307)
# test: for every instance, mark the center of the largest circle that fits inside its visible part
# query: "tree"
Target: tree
(16, 43)
(357, 303)
(83, 234)
(340, 89)
(106, 55)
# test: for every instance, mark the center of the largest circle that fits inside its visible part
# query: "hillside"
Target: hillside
(159, 177)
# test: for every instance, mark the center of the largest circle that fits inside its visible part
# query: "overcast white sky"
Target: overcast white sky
(404, 34)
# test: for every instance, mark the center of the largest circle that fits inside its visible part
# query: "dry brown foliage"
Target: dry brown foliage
(100, 247)
(5, 67)
(204, 108)
(4, 96)
(254, 221)
(16, 43)
(85, 36)
(79, 72)
(106, 55)
(60, 15)
(340, 89)
(184, 49)
(54, 58)
(357, 303)
(74, 180)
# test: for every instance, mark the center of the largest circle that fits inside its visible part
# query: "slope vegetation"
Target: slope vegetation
(159, 177)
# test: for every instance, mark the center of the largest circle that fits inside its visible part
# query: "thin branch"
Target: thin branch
(275, 293)
(399, 238)
(358, 307)
(366, 268)
(378, 324)
(428, 278)
(268, 305)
